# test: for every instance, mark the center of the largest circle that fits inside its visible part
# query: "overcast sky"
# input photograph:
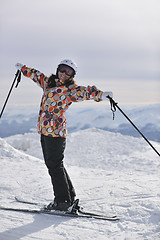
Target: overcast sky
(108, 39)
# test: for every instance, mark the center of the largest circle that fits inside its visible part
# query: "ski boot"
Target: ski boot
(74, 207)
(60, 206)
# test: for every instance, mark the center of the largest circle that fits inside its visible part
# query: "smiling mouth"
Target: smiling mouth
(62, 78)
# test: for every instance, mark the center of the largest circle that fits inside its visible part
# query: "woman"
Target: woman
(59, 92)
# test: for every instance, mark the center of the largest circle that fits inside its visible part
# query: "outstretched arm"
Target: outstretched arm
(80, 93)
(34, 74)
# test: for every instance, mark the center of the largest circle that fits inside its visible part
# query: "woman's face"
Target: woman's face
(63, 77)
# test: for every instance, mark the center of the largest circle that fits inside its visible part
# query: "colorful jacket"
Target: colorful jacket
(55, 101)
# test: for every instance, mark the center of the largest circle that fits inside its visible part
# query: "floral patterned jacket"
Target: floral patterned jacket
(55, 101)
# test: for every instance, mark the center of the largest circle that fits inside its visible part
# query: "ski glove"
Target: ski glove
(19, 66)
(105, 95)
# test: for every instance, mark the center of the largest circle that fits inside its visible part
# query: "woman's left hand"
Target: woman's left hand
(105, 95)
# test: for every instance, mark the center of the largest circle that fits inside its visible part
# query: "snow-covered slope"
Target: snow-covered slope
(112, 173)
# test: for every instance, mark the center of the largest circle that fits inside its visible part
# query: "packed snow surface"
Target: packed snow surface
(112, 174)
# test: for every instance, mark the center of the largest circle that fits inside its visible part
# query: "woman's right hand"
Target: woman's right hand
(19, 66)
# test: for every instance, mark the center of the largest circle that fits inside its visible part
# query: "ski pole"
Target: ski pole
(114, 105)
(18, 78)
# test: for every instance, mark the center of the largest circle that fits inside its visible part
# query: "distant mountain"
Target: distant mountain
(146, 118)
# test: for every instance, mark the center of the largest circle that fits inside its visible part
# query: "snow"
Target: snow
(112, 173)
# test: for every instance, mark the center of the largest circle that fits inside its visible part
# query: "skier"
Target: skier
(59, 92)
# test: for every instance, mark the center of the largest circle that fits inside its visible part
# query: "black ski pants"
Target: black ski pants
(53, 152)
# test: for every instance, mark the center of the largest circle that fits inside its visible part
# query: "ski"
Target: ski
(79, 210)
(95, 214)
(58, 213)
(26, 202)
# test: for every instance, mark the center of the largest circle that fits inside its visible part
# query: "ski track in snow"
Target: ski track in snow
(112, 174)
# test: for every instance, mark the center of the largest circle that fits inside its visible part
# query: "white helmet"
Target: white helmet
(69, 63)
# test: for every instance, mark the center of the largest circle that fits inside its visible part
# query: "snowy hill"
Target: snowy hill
(112, 173)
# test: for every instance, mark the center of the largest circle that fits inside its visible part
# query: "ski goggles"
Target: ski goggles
(66, 69)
